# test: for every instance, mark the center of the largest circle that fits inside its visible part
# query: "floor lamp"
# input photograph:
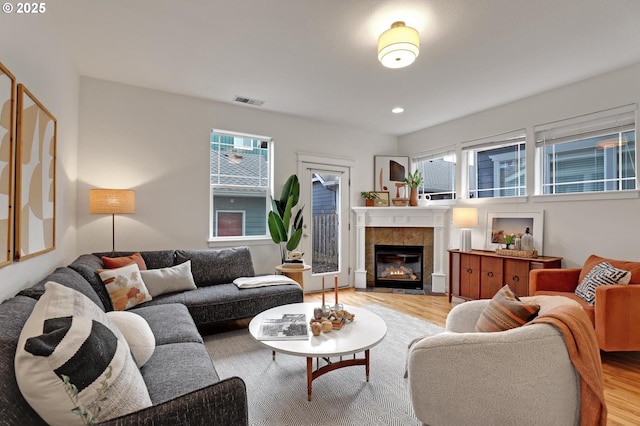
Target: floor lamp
(465, 218)
(113, 202)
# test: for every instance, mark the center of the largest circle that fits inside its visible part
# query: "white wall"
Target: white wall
(158, 144)
(31, 51)
(572, 229)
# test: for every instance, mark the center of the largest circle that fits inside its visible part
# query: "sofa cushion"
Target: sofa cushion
(69, 278)
(118, 262)
(154, 259)
(224, 302)
(593, 260)
(68, 340)
(14, 409)
(125, 286)
(210, 267)
(87, 265)
(176, 369)
(601, 274)
(170, 323)
(505, 311)
(169, 280)
(137, 333)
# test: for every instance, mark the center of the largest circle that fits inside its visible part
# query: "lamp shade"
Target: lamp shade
(465, 217)
(112, 201)
(399, 46)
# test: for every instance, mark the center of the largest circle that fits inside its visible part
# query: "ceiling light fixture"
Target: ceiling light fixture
(399, 46)
(397, 110)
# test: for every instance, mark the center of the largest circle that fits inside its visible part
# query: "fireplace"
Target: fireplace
(398, 266)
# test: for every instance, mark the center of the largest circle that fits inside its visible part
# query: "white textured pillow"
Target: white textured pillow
(169, 280)
(137, 333)
(601, 274)
(125, 286)
(67, 334)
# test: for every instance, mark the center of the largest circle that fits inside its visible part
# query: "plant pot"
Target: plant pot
(369, 203)
(413, 197)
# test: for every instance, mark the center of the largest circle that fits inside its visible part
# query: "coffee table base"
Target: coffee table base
(314, 374)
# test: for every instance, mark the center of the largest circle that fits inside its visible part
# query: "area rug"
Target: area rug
(277, 389)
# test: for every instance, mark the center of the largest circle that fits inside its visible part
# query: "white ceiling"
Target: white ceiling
(317, 58)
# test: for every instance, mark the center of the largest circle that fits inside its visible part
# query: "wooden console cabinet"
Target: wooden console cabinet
(480, 274)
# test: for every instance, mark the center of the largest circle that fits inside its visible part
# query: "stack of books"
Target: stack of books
(294, 263)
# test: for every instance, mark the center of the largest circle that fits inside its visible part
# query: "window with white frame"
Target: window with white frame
(240, 184)
(496, 166)
(590, 153)
(439, 174)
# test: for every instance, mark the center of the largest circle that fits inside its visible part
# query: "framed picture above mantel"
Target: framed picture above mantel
(389, 173)
(500, 224)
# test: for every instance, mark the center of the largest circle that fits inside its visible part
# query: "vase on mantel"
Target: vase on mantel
(413, 197)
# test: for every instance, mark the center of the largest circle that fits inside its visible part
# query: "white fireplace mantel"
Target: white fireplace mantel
(419, 217)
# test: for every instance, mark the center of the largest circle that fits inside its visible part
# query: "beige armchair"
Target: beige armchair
(518, 377)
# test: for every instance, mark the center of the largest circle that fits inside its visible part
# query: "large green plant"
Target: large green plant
(284, 232)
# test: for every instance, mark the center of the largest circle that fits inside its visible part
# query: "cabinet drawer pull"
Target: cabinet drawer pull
(490, 274)
(469, 270)
(516, 278)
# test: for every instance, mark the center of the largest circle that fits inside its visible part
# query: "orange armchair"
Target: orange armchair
(616, 312)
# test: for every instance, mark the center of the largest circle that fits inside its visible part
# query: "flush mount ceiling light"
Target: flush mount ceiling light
(399, 46)
(397, 110)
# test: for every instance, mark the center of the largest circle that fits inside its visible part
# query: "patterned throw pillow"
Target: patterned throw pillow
(601, 274)
(505, 311)
(118, 262)
(68, 340)
(125, 286)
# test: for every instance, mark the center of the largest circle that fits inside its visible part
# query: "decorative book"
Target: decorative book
(286, 327)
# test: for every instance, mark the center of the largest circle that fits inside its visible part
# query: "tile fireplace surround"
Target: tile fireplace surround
(416, 217)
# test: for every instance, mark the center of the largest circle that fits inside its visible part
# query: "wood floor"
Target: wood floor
(621, 369)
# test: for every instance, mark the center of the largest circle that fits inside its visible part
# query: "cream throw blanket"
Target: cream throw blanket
(263, 281)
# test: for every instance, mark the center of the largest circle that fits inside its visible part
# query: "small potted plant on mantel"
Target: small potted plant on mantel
(413, 181)
(369, 198)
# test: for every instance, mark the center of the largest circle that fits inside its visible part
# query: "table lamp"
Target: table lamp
(465, 218)
(112, 201)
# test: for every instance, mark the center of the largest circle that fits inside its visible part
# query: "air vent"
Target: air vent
(248, 101)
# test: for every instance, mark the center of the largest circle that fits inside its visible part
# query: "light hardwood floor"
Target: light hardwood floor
(621, 369)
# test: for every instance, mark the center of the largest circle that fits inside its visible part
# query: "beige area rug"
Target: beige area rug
(277, 390)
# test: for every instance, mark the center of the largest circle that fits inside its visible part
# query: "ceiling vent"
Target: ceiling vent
(248, 101)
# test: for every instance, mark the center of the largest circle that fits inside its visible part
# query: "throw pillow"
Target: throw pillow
(627, 265)
(125, 286)
(71, 356)
(601, 274)
(118, 262)
(505, 311)
(169, 280)
(137, 333)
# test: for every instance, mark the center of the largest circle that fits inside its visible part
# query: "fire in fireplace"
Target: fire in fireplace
(398, 266)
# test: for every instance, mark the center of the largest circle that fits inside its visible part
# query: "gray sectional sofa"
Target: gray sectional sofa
(183, 384)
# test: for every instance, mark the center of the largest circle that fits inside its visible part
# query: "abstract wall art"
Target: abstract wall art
(35, 177)
(7, 152)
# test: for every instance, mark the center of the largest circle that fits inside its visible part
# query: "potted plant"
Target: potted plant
(283, 232)
(369, 198)
(413, 180)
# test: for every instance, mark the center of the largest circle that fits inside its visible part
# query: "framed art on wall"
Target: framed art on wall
(7, 140)
(507, 223)
(389, 173)
(35, 177)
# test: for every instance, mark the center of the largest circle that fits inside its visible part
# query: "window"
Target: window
(591, 153)
(439, 174)
(240, 184)
(496, 166)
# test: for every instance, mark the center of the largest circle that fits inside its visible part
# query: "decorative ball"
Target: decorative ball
(327, 326)
(316, 328)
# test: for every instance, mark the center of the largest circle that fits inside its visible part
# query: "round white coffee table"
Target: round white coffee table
(366, 331)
